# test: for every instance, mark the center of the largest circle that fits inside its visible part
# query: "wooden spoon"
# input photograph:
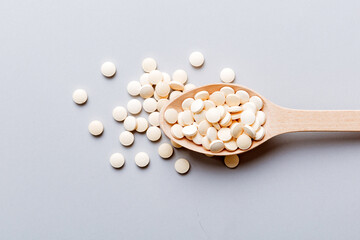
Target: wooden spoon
(279, 120)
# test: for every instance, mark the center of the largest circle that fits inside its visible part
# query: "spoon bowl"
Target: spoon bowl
(279, 120)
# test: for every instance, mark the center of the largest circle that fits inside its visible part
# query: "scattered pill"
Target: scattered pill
(161, 103)
(182, 165)
(150, 105)
(166, 77)
(154, 119)
(196, 59)
(176, 131)
(243, 142)
(144, 79)
(108, 69)
(119, 113)
(155, 76)
(175, 85)
(133, 88)
(244, 96)
(162, 89)
(188, 87)
(153, 133)
(217, 146)
(165, 150)
(142, 159)
(175, 145)
(117, 160)
(231, 145)
(174, 94)
(149, 64)
(126, 138)
(141, 124)
(134, 106)
(180, 76)
(96, 128)
(146, 91)
(227, 75)
(171, 115)
(130, 123)
(80, 96)
(231, 161)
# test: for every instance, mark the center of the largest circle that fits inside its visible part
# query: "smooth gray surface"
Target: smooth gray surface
(55, 179)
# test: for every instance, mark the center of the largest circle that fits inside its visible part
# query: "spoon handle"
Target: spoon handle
(291, 120)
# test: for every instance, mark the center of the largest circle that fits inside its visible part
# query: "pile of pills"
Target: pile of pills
(220, 120)
(156, 88)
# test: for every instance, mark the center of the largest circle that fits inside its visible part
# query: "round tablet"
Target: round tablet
(231, 145)
(205, 143)
(216, 146)
(209, 104)
(203, 127)
(180, 119)
(119, 113)
(171, 116)
(141, 124)
(180, 76)
(186, 104)
(247, 117)
(187, 117)
(150, 105)
(231, 161)
(174, 94)
(146, 91)
(226, 120)
(134, 106)
(203, 95)
(260, 134)
(224, 134)
(227, 75)
(200, 116)
(162, 89)
(182, 165)
(243, 141)
(133, 88)
(244, 96)
(197, 106)
(96, 128)
(161, 103)
(260, 116)
(154, 119)
(175, 145)
(126, 138)
(142, 159)
(155, 76)
(227, 90)
(176, 131)
(232, 99)
(175, 85)
(218, 98)
(130, 123)
(250, 131)
(108, 69)
(165, 150)
(213, 115)
(196, 59)
(249, 106)
(148, 64)
(211, 134)
(258, 102)
(117, 160)
(189, 131)
(153, 133)
(189, 87)
(166, 77)
(80, 96)
(236, 129)
(144, 79)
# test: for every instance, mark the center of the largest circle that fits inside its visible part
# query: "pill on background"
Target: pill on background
(165, 150)
(142, 159)
(196, 59)
(108, 69)
(96, 128)
(126, 138)
(182, 165)
(134, 106)
(117, 160)
(149, 64)
(231, 161)
(80, 96)
(227, 75)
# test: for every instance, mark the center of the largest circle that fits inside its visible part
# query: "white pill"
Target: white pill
(162, 89)
(247, 117)
(211, 134)
(216, 146)
(171, 115)
(142, 159)
(244, 96)
(117, 160)
(161, 103)
(126, 138)
(222, 111)
(80, 96)
(227, 90)
(250, 131)
(153, 133)
(108, 69)
(148, 64)
(260, 134)
(134, 106)
(96, 128)
(197, 139)
(174, 94)
(180, 119)
(166, 77)
(189, 131)
(180, 76)
(250, 106)
(235, 109)
(203, 95)
(209, 104)
(258, 102)
(232, 100)
(196, 59)
(243, 141)
(205, 143)
(133, 88)
(130, 123)
(203, 127)
(218, 98)
(176, 131)
(197, 106)
(231, 161)
(175, 85)
(256, 125)
(260, 116)
(227, 75)
(165, 150)
(231, 145)
(213, 115)
(150, 105)
(224, 134)
(199, 116)
(175, 145)
(154, 119)
(186, 104)
(146, 91)
(144, 79)
(141, 124)
(182, 166)
(187, 117)
(226, 121)
(119, 113)
(236, 129)
(189, 87)
(235, 116)
(155, 76)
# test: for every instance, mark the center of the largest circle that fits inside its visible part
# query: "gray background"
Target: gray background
(55, 179)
